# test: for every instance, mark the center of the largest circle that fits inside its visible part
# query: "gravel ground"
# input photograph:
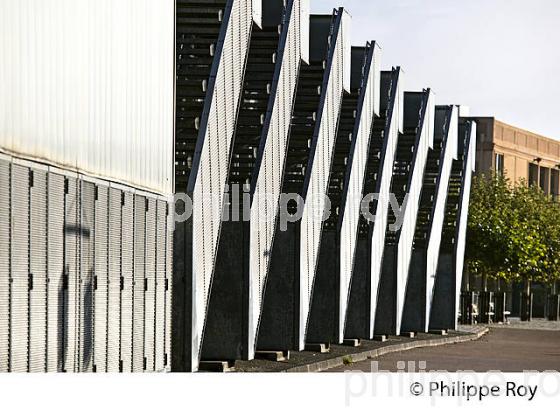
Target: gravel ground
(302, 358)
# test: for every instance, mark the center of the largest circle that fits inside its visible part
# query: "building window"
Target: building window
(533, 175)
(499, 164)
(544, 180)
(554, 183)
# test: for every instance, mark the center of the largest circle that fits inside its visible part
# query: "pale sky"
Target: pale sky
(499, 57)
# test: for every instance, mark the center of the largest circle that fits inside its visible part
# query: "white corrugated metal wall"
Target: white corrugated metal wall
(88, 85)
(71, 255)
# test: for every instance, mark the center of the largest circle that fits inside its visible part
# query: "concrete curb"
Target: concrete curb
(320, 366)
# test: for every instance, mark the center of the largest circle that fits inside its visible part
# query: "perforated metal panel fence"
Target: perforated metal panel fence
(74, 252)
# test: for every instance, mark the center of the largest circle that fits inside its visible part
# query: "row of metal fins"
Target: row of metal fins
(84, 275)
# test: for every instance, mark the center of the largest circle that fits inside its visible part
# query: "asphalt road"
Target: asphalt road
(507, 350)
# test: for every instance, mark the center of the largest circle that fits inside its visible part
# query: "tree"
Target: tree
(513, 231)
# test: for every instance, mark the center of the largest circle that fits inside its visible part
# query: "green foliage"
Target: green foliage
(513, 231)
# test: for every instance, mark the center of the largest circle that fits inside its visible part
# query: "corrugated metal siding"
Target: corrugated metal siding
(5, 194)
(114, 284)
(101, 266)
(19, 309)
(38, 262)
(87, 235)
(161, 239)
(139, 268)
(169, 284)
(71, 271)
(269, 182)
(127, 278)
(102, 100)
(56, 327)
(66, 238)
(150, 287)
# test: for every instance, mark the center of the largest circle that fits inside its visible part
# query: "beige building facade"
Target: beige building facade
(518, 154)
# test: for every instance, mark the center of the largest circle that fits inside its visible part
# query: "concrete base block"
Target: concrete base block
(318, 347)
(439, 332)
(352, 342)
(274, 356)
(410, 335)
(380, 338)
(215, 366)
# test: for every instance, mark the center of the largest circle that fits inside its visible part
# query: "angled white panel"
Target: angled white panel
(211, 162)
(324, 140)
(462, 224)
(377, 78)
(406, 238)
(347, 40)
(394, 122)
(367, 105)
(269, 182)
(436, 227)
(304, 8)
(257, 12)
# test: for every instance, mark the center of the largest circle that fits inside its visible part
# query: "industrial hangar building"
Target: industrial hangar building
(111, 111)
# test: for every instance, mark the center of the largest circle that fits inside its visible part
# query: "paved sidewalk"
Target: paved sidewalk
(312, 362)
(504, 348)
(535, 324)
